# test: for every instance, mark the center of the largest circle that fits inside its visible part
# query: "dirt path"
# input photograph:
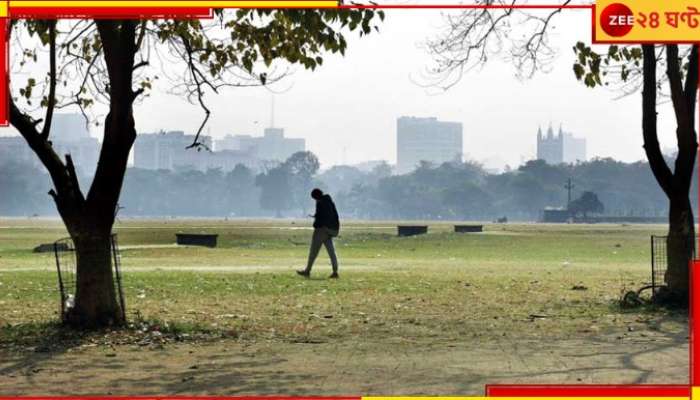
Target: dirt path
(392, 366)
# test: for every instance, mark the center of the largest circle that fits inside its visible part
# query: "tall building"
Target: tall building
(168, 150)
(272, 146)
(560, 148)
(550, 148)
(426, 139)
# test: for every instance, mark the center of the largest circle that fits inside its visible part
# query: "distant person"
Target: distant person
(326, 227)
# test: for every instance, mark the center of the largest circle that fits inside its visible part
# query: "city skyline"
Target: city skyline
(346, 109)
(242, 143)
(172, 150)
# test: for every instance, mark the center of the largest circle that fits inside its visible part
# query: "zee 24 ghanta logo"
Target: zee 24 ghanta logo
(617, 19)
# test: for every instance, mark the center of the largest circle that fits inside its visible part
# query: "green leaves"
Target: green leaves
(297, 36)
(587, 65)
(26, 91)
(591, 68)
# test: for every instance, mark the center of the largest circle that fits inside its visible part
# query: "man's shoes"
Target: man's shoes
(334, 276)
(304, 273)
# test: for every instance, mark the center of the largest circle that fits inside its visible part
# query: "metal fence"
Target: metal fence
(66, 266)
(659, 261)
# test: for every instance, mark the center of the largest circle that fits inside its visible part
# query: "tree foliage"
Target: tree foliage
(587, 203)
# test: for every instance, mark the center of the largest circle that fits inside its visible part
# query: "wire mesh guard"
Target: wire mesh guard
(66, 265)
(659, 261)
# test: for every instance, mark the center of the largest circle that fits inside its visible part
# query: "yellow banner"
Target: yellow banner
(646, 21)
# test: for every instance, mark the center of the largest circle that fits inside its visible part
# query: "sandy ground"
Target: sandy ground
(393, 366)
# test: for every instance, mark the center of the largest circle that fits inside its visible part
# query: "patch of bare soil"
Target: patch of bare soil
(392, 366)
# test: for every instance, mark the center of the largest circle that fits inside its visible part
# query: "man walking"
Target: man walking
(326, 227)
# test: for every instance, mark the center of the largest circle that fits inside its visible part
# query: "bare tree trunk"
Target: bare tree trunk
(680, 248)
(676, 184)
(95, 298)
(89, 219)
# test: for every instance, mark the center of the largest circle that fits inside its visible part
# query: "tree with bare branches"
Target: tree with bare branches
(520, 35)
(633, 67)
(115, 62)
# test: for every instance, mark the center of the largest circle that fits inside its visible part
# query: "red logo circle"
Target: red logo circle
(617, 20)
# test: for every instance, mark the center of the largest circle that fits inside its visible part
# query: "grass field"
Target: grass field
(513, 282)
(441, 282)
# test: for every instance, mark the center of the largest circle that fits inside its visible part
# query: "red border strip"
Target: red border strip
(588, 390)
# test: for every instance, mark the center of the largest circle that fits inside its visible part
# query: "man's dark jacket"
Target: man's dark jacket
(326, 214)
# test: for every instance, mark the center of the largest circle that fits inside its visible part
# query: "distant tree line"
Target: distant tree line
(459, 191)
(465, 191)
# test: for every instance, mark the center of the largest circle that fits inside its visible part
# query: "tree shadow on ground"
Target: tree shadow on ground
(459, 366)
(31, 345)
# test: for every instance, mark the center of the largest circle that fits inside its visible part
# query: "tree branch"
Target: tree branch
(691, 85)
(140, 65)
(27, 128)
(658, 165)
(142, 34)
(52, 82)
(685, 131)
(675, 83)
(200, 93)
(73, 177)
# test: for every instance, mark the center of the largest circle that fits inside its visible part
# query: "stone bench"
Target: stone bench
(411, 230)
(469, 228)
(196, 239)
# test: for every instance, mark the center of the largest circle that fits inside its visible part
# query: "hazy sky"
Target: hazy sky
(350, 104)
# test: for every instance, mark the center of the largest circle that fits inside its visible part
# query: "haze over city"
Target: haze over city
(347, 109)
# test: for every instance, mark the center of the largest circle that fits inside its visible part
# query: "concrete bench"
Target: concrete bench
(411, 230)
(196, 239)
(469, 228)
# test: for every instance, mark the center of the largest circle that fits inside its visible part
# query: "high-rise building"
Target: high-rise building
(168, 150)
(426, 139)
(273, 146)
(560, 148)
